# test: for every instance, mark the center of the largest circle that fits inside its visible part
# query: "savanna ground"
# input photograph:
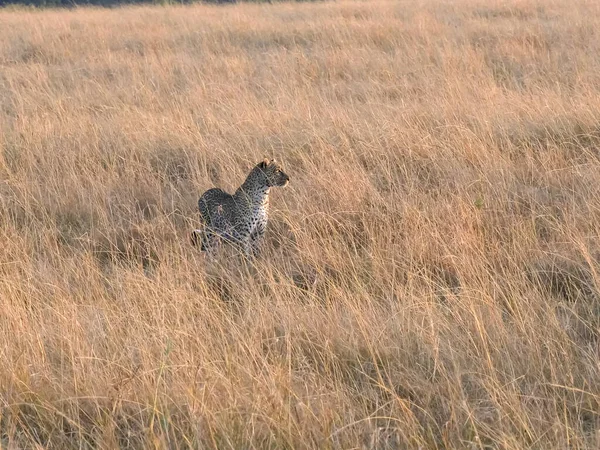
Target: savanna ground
(431, 278)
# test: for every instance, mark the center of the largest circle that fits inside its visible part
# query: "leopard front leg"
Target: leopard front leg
(256, 238)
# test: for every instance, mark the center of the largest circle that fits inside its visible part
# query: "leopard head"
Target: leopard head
(274, 175)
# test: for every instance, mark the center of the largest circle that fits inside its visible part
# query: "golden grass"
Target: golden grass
(431, 278)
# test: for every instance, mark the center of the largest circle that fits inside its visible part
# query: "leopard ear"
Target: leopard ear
(263, 164)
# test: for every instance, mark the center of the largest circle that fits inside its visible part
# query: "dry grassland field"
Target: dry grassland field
(431, 277)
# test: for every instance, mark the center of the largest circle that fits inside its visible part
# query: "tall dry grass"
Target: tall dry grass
(431, 277)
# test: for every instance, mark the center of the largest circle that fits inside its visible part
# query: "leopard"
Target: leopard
(240, 219)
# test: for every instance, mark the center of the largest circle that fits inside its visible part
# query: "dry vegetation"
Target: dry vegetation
(432, 276)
